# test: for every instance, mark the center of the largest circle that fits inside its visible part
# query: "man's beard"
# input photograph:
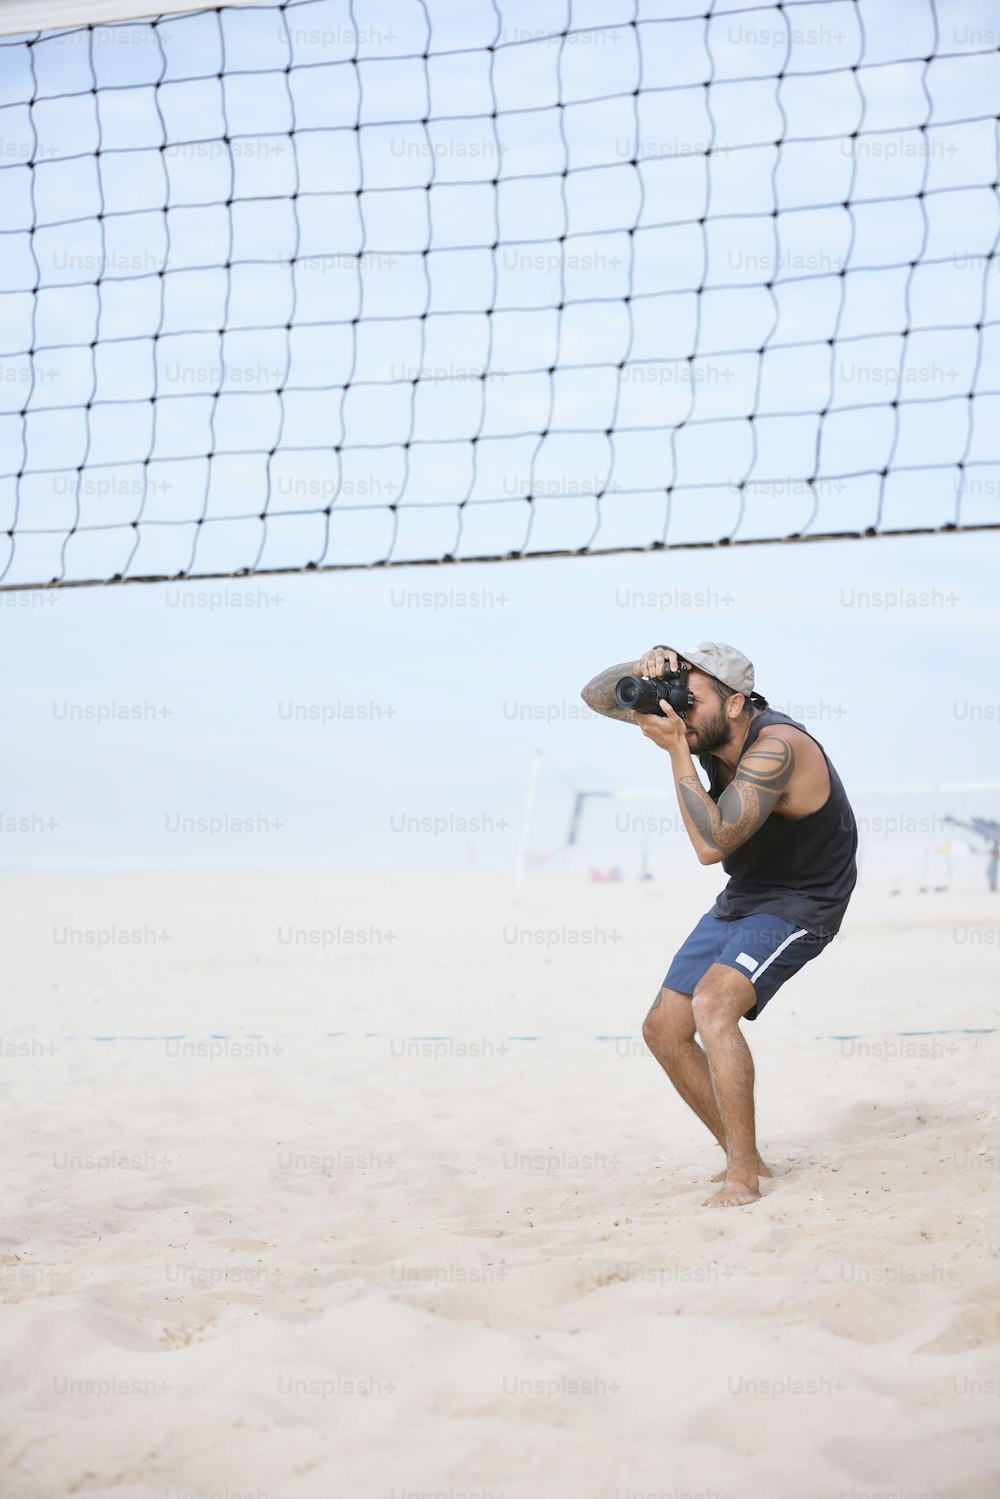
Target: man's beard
(711, 736)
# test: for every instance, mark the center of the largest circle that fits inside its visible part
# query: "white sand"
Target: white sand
(354, 1267)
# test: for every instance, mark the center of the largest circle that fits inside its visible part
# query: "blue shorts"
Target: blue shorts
(766, 948)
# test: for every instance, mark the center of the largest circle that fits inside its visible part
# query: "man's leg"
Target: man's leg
(720, 998)
(668, 1031)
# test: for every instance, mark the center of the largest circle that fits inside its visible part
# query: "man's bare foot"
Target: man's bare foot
(740, 1188)
(763, 1169)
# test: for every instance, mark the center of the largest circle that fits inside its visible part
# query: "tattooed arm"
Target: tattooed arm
(599, 693)
(761, 778)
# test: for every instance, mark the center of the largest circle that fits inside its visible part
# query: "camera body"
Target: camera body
(645, 694)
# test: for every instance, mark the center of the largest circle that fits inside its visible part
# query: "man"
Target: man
(777, 818)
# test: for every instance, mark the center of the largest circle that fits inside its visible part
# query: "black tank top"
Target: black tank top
(801, 868)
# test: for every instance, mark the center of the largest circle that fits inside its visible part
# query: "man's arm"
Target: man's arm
(761, 777)
(599, 693)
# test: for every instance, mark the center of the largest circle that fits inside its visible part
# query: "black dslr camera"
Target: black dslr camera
(645, 694)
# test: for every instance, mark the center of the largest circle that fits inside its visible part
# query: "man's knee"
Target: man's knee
(669, 1022)
(710, 1014)
(720, 998)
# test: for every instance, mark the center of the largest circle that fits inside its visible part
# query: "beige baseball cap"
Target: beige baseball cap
(724, 662)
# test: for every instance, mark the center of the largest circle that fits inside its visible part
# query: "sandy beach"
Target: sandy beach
(320, 1186)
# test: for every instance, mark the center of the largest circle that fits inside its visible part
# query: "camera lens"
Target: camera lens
(637, 694)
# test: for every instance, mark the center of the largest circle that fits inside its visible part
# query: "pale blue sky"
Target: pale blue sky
(918, 684)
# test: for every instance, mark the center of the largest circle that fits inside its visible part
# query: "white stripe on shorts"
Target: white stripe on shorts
(779, 949)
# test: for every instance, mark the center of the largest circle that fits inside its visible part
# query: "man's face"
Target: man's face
(705, 724)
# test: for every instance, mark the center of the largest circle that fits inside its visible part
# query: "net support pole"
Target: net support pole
(529, 803)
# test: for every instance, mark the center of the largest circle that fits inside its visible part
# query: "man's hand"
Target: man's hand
(666, 730)
(656, 660)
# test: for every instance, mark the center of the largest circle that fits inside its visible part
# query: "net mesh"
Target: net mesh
(319, 285)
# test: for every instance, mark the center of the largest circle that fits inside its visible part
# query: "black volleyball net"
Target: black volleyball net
(335, 284)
